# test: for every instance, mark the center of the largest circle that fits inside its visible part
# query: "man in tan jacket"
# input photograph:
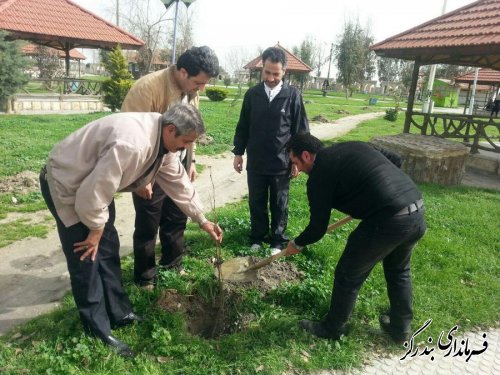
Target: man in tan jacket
(121, 152)
(156, 92)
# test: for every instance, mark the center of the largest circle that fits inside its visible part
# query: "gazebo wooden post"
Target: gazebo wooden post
(466, 100)
(66, 57)
(411, 98)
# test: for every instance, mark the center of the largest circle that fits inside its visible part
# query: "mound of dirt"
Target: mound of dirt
(342, 112)
(22, 183)
(319, 118)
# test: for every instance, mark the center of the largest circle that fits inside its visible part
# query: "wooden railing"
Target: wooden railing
(471, 129)
(64, 86)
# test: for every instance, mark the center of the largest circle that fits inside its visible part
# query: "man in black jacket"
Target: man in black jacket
(272, 112)
(357, 179)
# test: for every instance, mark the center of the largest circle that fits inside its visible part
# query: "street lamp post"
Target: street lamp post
(167, 4)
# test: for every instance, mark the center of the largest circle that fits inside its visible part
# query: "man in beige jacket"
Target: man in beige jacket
(121, 152)
(156, 92)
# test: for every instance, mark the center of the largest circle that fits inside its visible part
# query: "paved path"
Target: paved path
(34, 277)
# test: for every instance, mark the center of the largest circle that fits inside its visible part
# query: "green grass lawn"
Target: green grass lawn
(455, 272)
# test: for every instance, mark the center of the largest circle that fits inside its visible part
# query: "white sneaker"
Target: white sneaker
(255, 247)
(275, 250)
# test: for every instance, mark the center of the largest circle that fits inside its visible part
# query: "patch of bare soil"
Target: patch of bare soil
(319, 118)
(342, 112)
(211, 319)
(22, 183)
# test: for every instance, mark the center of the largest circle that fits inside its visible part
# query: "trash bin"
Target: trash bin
(372, 101)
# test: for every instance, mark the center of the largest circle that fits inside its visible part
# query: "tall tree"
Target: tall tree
(355, 61)
(48, 62)
(12, 65)
(451, 71)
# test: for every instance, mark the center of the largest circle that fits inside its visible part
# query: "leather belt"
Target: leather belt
(413, 207)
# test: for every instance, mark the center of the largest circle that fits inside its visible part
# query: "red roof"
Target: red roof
(484, 77)
(294, 65)
(56, 22)
(30, 50)
(467, 36)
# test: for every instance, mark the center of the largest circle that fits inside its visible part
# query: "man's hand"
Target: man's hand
(90, 245)
(145, 192)
(294, 172)
(238, 163)
(214, 231)
(192, 172)
(291, 250)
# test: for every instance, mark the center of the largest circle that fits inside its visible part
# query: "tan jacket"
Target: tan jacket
(157, 92)
(115, 153)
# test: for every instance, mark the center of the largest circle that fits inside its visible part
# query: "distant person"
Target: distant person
(157, 92)
(272, 112)
(357, 179)
(495, 107)
(121, 152)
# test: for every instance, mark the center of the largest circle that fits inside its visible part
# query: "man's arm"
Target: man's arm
(242, 128)
(300, 123)
(392, 156)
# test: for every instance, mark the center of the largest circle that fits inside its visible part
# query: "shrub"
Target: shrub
(391, 114)
(116, 87)
(12, 64)
(216, 94)
(227, 81)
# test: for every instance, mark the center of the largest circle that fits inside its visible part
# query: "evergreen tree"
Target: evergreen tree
(116, 87)
(355, 61)
(12, 65)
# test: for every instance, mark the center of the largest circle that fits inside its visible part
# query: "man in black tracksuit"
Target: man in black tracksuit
(271, 114)
(357, 179)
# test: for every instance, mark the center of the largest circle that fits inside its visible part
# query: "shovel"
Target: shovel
(242, 269)
(266, 261)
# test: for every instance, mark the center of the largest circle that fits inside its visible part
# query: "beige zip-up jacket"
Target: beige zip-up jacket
(157, 92)
(112, 154)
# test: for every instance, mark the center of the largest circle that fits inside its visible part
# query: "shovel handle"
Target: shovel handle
(266, 261)
(339, 223)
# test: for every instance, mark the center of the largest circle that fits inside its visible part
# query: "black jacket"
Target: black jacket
(357, 179)
(264, 128)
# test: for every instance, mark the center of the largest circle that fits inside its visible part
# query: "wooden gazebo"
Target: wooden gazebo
(294, 65)
(61, 24)
(467, 36)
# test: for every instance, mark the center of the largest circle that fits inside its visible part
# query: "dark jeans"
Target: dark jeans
(261, 189)
(158, 212)
(391, 241)
(97, 286)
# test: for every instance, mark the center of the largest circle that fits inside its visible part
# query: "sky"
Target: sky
(250, 26)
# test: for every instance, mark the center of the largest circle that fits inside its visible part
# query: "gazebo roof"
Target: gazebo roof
(484, 77)
(30, 50)
(294, 65)
(59, 23)
(467, 36)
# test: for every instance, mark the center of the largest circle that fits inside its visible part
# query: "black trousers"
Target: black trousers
(264, 189)
(158, 212)
(97, 286)
(390, 240)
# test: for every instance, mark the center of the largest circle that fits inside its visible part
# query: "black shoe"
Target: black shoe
(128, 319)
(398, 336)
(120, 347)
(172, 263)
(320, 329)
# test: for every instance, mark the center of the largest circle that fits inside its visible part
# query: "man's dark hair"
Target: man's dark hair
(275, 55)
(199, 59)
(303, 142)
